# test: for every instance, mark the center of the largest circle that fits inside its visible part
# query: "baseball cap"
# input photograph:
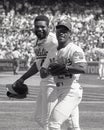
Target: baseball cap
(65, 23)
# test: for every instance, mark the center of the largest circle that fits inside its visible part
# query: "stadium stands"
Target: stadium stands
(17, 23)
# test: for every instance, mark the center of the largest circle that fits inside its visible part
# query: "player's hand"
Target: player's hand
(19, 82)
(43, 72)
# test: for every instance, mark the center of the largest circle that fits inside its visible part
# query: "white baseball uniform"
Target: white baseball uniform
(69, 91)
(45, 102)
(100, 54)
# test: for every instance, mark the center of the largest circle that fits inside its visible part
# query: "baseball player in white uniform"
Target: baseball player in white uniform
(99, 52)
(45, 101)
(16, 60)
(69, 91)
(47, 96)
(45, 41)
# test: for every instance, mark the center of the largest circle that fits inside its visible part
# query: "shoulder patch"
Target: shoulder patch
(78, 55)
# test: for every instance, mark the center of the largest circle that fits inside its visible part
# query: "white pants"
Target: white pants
(67, 102)
(46, 101)
(72, 123)
(38, 111)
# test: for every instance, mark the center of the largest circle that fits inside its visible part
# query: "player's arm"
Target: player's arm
(75, 64)
(33, 70)
(78, 68)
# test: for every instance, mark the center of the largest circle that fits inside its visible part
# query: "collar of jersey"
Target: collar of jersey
(68, 45)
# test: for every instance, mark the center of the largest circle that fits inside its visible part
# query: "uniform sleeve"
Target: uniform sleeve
(78, 56)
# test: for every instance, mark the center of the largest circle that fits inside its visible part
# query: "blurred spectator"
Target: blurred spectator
(16, 60)
(17, 23)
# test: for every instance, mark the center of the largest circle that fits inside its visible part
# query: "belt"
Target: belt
(66, 75)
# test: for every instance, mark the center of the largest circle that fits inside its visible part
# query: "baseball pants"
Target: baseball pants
(72, 123)
(67, 103)
(47, 99)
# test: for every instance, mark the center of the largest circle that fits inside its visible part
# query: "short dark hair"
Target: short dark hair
(42, 18)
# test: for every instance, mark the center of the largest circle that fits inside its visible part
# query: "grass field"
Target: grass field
(18, 114)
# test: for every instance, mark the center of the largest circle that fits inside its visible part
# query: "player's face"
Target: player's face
(41, 29)
(63, 35)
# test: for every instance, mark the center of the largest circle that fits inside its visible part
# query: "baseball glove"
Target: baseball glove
(56, 69)
(17, 91)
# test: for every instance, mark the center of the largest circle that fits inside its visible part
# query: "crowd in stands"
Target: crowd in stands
(17, 29)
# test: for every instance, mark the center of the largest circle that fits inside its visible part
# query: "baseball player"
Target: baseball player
(47, 96)
(99, 52)
(16, 60)
(45, 41)
(69, 91)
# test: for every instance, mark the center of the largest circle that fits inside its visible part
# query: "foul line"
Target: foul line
(17, 112)
(17, 101)
(88, 102)
(90, 112)
(83, 102)
(31, 112)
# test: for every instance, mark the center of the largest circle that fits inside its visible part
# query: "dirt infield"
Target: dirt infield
(19, 114)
